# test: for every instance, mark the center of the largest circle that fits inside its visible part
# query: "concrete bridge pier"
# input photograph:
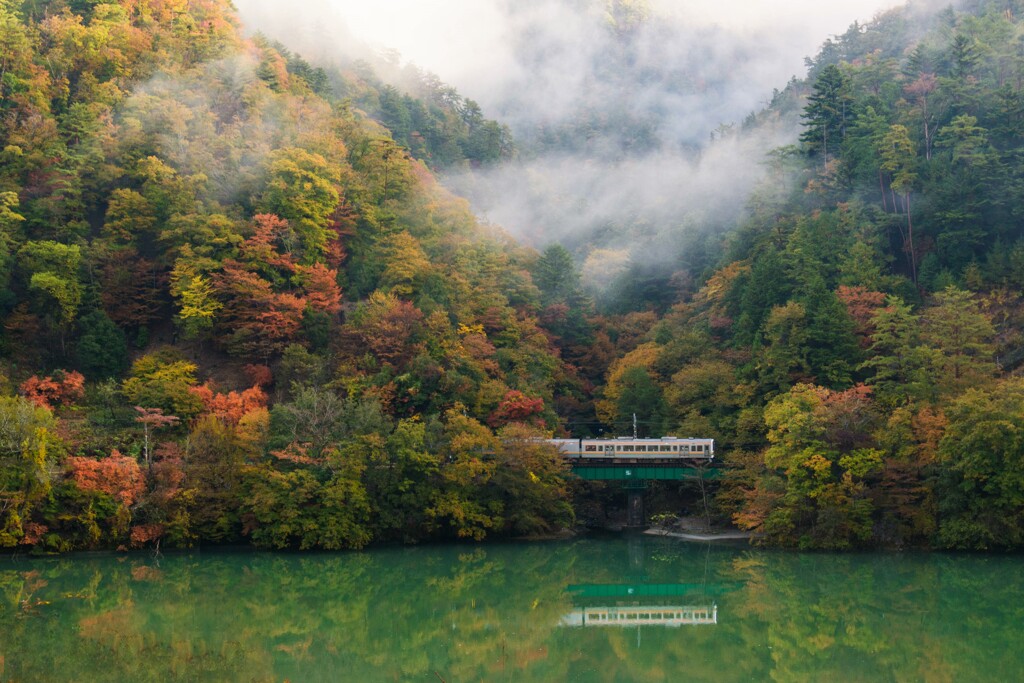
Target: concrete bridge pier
(636, 517)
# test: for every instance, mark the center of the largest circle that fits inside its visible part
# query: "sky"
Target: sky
(465, 41)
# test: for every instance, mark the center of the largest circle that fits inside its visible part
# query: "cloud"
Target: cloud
(471, 43)
(613, 118)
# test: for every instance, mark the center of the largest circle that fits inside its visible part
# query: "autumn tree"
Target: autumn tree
(197, 305)
(256, 321)
(963, 338)
(320, 285)
(231, 406)
(462, 507)
(406, 266)
(515, 407)
(27, 464)
(862, 305)
(116, 475)
(213, 464)
(51, 271)
(132, 288)
(387, 327)
(302, 188)
(530, 480)
(163, 380)
(821, 453)
(151, 420)
(64, 388)
(980, 489)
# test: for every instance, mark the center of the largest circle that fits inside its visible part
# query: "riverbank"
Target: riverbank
(696, 529)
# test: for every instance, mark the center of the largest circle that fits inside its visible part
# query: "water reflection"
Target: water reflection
(622, 614)
(513, 613)
(642, 604)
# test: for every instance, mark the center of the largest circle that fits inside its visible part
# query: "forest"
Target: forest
(239, 307)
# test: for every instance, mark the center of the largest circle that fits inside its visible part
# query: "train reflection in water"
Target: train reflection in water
(639, 615)
(670, 605)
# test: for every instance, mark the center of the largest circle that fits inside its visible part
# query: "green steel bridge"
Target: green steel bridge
(635, 473)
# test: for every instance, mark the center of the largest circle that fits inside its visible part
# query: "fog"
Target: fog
(612, 104)
(471, 43)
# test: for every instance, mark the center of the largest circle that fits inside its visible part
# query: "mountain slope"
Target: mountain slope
(181, 207)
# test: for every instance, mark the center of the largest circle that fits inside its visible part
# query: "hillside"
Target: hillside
(239, 306)
(236, 307)
(858, 349)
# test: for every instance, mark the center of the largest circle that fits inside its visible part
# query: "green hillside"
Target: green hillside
(858, 349)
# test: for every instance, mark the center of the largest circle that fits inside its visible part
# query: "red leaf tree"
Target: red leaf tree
(64, 388)
(116, 475)
(515, 407)
(255, 321)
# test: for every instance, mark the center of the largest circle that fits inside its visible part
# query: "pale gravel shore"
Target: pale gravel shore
(690, 536)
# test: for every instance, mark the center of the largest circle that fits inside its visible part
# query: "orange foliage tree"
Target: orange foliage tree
(321, 286)
(64, 388)
(259, 375)
(387, 327)
(116, 475)
(232, 406)
(862, 304)
(256, 321)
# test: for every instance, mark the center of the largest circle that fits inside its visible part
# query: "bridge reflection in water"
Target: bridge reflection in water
(671, 605)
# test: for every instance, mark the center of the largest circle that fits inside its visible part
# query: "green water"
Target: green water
(512, 613)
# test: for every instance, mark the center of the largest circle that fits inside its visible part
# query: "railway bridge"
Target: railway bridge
(635, 462)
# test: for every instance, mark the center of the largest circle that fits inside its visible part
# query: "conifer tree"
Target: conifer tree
(828, 113)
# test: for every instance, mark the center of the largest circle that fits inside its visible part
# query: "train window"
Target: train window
(590, 448)
(640, 449)
(666, 449)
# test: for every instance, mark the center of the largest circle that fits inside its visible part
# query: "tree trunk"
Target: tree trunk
(910, 240)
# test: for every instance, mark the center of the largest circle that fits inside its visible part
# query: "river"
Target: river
(592, 609)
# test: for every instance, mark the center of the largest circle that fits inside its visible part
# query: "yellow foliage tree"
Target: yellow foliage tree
(642, 356)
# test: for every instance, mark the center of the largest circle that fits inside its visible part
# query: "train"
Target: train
(629, 447)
